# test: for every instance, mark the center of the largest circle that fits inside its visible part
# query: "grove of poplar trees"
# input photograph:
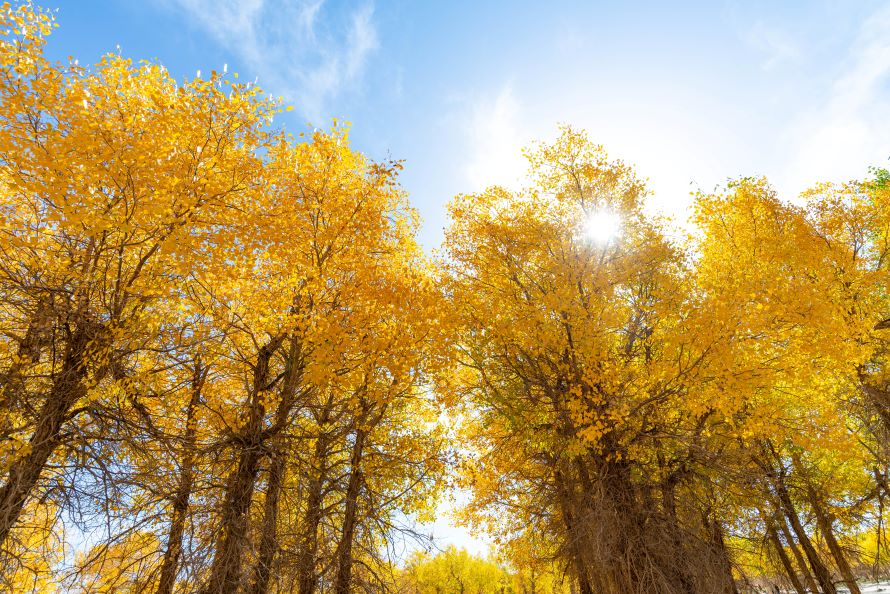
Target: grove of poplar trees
(226, 365)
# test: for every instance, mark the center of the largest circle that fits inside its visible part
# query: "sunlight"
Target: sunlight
(601, 226)
(459, 344)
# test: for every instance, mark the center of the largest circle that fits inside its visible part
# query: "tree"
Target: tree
(579, 354)
(104, 173)
(224, 360)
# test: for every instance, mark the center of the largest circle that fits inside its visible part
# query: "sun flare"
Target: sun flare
(602, 226)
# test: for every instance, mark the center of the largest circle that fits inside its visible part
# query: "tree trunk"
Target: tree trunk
(170, 564)
(269, 538)
(37, 337)
(773, 537)
(344, 561)
(881, 481)
(825, 527)
(572, 537)
(719, 544)
(798, 556)
(669, 505)
(823, 577)
(878, 397)
(68, 387)
(225, 572)
(268, 547)
(306, 558)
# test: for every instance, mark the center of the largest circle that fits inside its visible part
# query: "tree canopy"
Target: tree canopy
(226, 365)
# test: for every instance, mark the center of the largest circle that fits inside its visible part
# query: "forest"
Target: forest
(227, 365)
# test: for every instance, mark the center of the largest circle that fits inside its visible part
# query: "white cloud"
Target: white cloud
(776, 45)
(298, 49)
(848, 130)
(495, 142)
(447, 531)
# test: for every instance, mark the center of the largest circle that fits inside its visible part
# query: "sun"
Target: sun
(602, 226)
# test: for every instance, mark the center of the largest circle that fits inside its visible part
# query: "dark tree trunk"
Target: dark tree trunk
(773, 537)
(170, 564)
(225, 572)
(269, 538)
(268, 547)
(798, 556)
(68, 387)
(715, 531)
(825, 527)
(669, 505)
(879, 397)
(573, 540)
(677, 538)
(820, 571)
(37, 337)
(306, 557)
(353, 488)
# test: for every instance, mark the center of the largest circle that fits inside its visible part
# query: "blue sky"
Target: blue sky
(692, 93)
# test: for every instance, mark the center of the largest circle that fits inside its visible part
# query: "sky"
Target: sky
(690, 93)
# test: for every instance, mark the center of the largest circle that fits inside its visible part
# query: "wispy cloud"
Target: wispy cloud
(776, 46)
(493, 133)
(303, 50)
(847, 131)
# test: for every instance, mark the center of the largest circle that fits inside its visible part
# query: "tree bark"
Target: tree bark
(669, 505)
(824, 522)
(353, 487)
(170, 564)
(306, 557)
(269, 539)
(878, 397)
(68, 387)
(225, 572)
(719, 544)
(798, 556)
(37, 337)
(821, 573)
(773, 537)
(268, 547)
(572, 537)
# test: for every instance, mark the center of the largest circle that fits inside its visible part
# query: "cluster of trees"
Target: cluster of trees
(215, 339)
(223, 359)
(665, 416)
(454, 571)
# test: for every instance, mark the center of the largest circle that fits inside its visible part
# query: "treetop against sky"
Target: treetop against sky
(692, 93)
(234, 359)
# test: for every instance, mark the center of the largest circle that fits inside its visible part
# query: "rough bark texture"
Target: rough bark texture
(308, 551)
(619, 540)
(825, 527)
(820, 571)
(37, 337)
(269, 536)
(573, 539)
(773, 538)
(798, 556)
(878, 396)
(353, 488)
(225, 572)
(719, 543)
(170, 564)
(68, 387)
